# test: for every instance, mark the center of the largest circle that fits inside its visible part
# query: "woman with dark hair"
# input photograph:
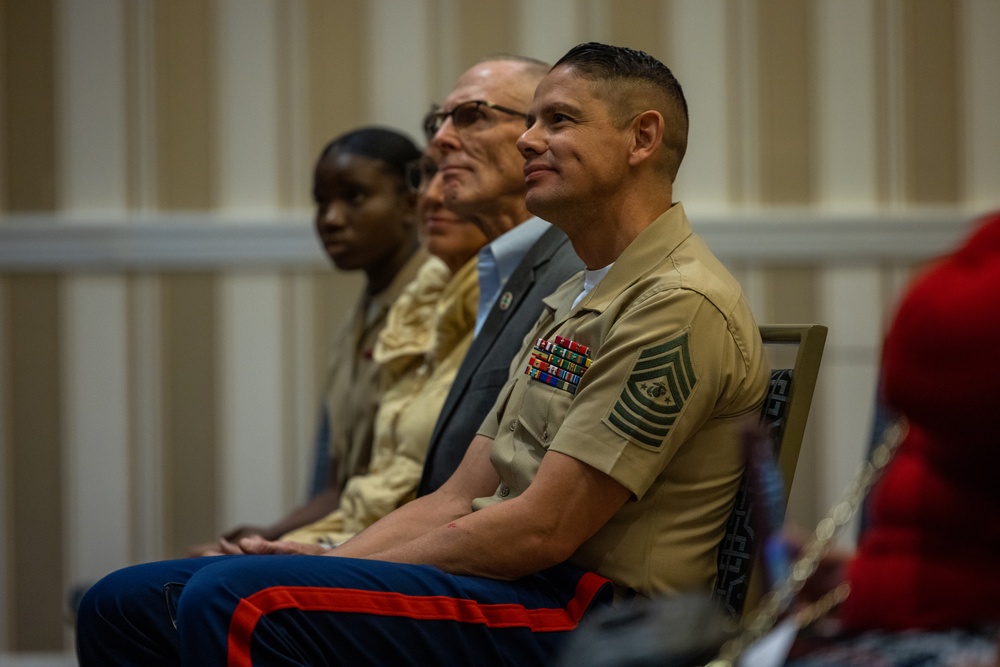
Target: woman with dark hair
(366, 220)
(427, 333)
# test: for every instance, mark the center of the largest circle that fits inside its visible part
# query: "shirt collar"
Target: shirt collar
(649, 248)
(590, 280)
(498, 260)
(510, 247)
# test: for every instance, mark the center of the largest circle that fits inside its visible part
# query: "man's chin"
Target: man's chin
(538, 203)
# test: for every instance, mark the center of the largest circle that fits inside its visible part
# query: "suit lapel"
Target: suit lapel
(517, 286)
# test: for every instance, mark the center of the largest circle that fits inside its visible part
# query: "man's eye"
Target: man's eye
(467, 116)
(559, 117)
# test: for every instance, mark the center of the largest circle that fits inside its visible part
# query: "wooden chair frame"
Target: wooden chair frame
(738, 551)
(811, 339)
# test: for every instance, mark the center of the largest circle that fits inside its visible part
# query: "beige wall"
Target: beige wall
(146, 403)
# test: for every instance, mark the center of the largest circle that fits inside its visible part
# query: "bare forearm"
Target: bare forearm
(406, 523)
(498, 542)
(564, 506)
(474, 477)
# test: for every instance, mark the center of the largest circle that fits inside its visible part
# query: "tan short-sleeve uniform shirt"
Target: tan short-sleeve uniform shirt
(675, 366)
(353, 388)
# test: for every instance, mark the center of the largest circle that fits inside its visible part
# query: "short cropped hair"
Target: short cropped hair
(391, 147)
(632, 81)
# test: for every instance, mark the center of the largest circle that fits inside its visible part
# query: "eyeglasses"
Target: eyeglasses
(464, 116)
(419, 174)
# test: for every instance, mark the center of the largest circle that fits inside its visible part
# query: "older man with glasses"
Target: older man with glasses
(475, 131)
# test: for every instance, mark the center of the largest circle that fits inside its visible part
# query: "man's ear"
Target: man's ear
(647, 134)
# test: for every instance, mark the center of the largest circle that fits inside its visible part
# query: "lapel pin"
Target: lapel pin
(505, 300)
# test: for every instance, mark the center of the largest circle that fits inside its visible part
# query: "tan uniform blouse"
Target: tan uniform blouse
(353, 387)
(427, 333)
(675, 365)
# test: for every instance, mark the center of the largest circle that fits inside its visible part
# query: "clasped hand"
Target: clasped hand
(259, 546)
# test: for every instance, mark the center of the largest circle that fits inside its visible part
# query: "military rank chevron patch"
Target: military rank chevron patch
(659, 384)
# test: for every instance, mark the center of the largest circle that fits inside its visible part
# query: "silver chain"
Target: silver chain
(776, 601)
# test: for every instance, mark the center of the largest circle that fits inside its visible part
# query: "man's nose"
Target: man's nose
(528, 143)
(446, 138)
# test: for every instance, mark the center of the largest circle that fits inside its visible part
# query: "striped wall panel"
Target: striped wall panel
(980, 92)
(28, 117)
(33, 474)
(165, 318)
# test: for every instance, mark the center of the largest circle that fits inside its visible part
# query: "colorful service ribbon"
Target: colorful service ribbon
(559, 364)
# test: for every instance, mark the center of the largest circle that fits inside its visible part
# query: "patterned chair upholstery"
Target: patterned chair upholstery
(737, 549)
(785, 410)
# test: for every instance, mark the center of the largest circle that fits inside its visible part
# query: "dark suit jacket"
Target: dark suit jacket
(547, 264)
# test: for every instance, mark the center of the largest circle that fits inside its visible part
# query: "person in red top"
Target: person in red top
(929, 559)
(924, 582)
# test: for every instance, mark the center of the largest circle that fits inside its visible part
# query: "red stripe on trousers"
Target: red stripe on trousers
(250, 610)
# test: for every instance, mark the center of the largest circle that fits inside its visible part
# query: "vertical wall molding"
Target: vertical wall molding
(36, 551)
(92, 87)
(4, 130)
(291, 73)
(29, 105)
(699, 52)
(246, 121)
(299, 365)
(890, 114)
(851, 304)
(92, 108)
(5, 467)
(981, 98)
(338, 68)
(251, 423)
(636, 23)
(140, 105)
(546, 30)
(400, 95)
(845, 132)
(932, 111)
(96, 447)
(594, 20)
(185, 93)
(146, 407)
(743, 82)
(785, 95)
(191, 397)
(849, 298)
(485, 29)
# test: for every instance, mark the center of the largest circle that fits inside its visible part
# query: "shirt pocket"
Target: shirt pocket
(541, 411)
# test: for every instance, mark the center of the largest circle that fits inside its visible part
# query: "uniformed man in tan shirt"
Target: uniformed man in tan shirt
(609, 462)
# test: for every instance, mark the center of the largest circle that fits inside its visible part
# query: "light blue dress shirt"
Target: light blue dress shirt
(498, 259)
